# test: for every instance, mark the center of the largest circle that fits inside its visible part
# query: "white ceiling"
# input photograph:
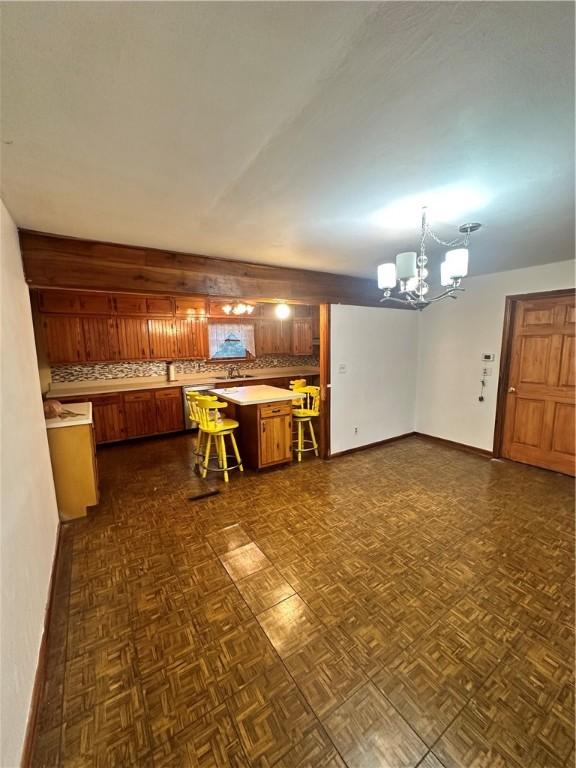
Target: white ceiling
(273, 132)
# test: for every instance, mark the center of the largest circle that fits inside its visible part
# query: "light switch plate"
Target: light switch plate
(487, 357)
(342, 368)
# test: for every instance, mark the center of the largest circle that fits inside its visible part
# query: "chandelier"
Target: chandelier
(238, 309)
(409, 273)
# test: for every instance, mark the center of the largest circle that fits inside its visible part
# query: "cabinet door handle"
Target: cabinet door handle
(263, 426)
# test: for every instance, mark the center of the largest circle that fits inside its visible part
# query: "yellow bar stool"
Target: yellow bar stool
(303, 414)
(194, 413)
(215, 427)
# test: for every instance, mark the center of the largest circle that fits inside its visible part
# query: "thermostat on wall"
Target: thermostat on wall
(487, 357)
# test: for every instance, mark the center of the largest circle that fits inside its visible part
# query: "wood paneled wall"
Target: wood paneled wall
(66, 262)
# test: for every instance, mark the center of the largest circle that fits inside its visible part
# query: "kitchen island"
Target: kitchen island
(264, 414)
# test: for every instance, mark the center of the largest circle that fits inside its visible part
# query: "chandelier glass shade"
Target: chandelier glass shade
(410, 272)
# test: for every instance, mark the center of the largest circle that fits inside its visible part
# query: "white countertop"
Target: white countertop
(256, 395)
(83, 415)
(103, 387)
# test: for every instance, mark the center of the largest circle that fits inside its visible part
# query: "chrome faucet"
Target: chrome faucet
(234, 372)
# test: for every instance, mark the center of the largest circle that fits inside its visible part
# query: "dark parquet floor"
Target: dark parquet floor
(409, 605)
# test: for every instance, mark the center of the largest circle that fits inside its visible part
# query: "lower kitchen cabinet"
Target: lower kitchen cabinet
(169, 410)
(275, 435)
(140, 413)
(108, 417)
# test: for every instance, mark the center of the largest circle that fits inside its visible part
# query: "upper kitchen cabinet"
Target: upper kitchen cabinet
(100, 339)
(160, 306)
(162, 339)
(63, 339)
(133, 338)
(301, 336)
(128, 304)
(189, 307)
(191, 338)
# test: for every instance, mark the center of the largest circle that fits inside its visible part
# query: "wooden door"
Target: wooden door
(191, 338)
(539, 411)
(169, 410)
(108, 415)
(133, 338)
(161, 334)
(100, 339)
(275, 440)
(63, 340)
(302, 337)
(140, 413)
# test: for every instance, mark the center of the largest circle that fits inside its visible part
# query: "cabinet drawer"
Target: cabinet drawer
(168, 394)
(136, 397)
(111, 399)
(274, 409)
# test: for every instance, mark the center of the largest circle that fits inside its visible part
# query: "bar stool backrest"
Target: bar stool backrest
(312, 400)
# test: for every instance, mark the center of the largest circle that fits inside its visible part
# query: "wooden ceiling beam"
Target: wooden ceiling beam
(54, 261)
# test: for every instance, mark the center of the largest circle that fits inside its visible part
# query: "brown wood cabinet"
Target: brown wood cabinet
(133, 338)
(108, 415)
(273, 337)
(100, 339)
(169, 410)
(302, 337)
(190, 307)
(162, 339)
(191, 338)
(63, 339)
(140, 413)
(275, 425)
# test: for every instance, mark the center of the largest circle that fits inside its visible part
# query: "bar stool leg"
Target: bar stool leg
(300, 440)
(223, 457)
(236, 452)
(206, 456)
(313, 436)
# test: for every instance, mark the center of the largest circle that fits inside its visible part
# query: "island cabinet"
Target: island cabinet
(275, 439)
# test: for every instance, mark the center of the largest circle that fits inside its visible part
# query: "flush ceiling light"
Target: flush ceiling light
(409, 273)
(282, 311)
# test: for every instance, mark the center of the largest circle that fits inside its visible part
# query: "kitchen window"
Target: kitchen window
(231, 341)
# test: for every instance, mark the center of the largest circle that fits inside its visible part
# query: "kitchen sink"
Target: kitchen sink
(234, 378)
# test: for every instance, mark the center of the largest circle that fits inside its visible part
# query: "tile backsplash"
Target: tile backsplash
(61, 374)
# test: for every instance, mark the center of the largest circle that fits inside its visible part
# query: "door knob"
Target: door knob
(511, 390)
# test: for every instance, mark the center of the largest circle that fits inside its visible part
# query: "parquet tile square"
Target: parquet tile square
(227, 539)
(165, 641)
(114, 732)
(218, 613)
(210, 742)
(314, 751)
(425, 699)
(239, 655)
(453, 592)
(325, 674)
(290, 625)
(178, 695)
(244, 561)
(271, 717)
(367, 731)
(264, 589)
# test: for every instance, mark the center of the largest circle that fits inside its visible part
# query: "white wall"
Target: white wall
(29, 518)
(452, 335)
(377, 392)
